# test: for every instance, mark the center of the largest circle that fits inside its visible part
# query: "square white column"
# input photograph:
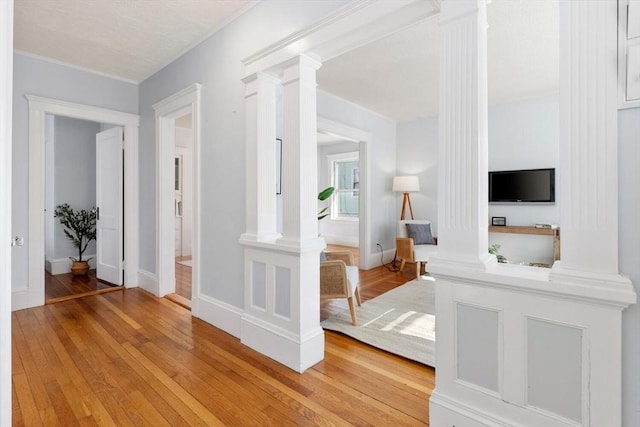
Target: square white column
(463, 151)
(281, 316)
(299, 147)
(260, 96)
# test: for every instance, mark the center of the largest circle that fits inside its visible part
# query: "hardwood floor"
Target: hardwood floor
(63, 287)
(183, 294)
(129, 358)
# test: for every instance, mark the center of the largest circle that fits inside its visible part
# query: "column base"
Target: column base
(296, 352)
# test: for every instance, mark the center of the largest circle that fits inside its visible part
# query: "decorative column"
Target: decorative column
(281, 316)
(463, 154)
(300, 163)
(522, 345)
(260, 95)
(588, 137)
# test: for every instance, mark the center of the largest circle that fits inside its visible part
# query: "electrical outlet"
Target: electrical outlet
(378, 244)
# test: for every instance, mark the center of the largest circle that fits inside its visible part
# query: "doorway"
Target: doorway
(83, 169)
(358, 141)
(177, 197)
(339, 167)
(39, 107)
(183, 210)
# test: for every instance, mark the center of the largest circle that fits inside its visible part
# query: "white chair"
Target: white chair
(340, 278)
(408, 251)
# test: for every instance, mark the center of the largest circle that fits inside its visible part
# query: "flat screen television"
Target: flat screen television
(523, 186)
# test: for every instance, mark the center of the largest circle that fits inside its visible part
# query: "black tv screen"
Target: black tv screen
(523, 186)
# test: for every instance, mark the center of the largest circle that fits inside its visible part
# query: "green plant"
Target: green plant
(80, 226)
(493, 250)
(322, 196)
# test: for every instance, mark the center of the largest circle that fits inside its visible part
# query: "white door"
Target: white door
(109, 203)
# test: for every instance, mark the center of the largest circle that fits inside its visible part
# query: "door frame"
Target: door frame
(39, 107)
(363, 139)
(167, 111)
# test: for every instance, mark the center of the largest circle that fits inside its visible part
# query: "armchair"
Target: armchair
(410, 251)
(339, 278)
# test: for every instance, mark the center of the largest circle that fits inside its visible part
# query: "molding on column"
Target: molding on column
(260, 98)
(463, 149)
(589, 136)
(299, 151)
(354, 25)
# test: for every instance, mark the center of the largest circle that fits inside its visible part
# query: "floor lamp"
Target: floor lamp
(406, 184)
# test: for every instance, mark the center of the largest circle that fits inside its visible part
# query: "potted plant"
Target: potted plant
(80, 228)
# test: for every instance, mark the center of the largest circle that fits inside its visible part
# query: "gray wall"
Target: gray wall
(629, 258)
(216, 64)
(75, 175)
(37, 77)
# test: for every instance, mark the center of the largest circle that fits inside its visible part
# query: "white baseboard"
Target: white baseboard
(352, 242)
(218, 313)
(63, 265)
(297, 353)
(444, 411)
(148, 281)
(374, 258)
(19, 299)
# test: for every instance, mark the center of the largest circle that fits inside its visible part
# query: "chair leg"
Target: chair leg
(358, 299)
(418, 265)
(402, 264)
(352, 309)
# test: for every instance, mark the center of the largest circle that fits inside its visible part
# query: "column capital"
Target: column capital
(295, 67)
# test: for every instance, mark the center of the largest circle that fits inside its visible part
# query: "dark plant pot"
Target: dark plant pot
(80, 268)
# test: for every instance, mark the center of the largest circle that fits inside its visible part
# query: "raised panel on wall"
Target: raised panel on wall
(259, 285)
(555, 368)
(478, 346)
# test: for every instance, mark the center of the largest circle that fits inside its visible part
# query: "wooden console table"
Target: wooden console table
(517, 229)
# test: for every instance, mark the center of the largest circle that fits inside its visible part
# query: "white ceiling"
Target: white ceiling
(122, 38)
(396, 76)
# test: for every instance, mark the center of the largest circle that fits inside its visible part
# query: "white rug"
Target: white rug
(188, 263)
(401, 321)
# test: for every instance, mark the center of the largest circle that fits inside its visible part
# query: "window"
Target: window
(345, 177)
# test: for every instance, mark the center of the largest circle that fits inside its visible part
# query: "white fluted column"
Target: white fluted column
(589, 137)
(300, 163)
(260, 95)
(463, 153)
(282, 276)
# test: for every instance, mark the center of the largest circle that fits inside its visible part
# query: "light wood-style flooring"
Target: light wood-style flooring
(63, 287)
(129, 358)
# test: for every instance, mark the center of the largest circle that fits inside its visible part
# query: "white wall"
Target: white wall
(340, 232)
(216, 64)
(418, 155)
(38, 77)
(629, 257)
(522, 135)
(381, 163)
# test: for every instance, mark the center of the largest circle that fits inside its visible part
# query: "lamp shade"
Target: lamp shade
(406, 184)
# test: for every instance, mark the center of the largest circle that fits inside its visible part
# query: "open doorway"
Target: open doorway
(76, 161)
(183, 210)
(339, 167)
(178, 142)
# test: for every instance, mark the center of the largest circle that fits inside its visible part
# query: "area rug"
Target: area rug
(188, 263)
(401, 321)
